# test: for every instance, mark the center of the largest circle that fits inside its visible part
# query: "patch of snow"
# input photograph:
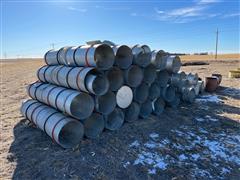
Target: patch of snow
(134, 144)
(211, 119)
(225, 170)
(154, 136)
(231, 91)
(126, 164)
(150, 145)
(182, 157)
(195, 157)
(199, 119)
(152, 171)
(208, 98)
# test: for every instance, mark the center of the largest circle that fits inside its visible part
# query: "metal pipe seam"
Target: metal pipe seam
(114, 120)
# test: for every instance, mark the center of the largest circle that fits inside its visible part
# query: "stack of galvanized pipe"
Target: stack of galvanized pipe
(83, 90)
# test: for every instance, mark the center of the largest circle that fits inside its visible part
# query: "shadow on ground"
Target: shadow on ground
(110, 157)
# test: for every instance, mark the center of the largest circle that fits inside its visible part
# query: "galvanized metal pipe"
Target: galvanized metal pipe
(141, 55)
(145, 109)
(140, 94)
(79, 78)
(133, 76)
(132, 112)
(188, 94)
(77, 104)
(158, 106)
(106, 103)
(192, 78)
(149, 74)
(154, 91)
(97, 55)
(65, 131)
(168, 93)
(114, 120)
(123, 56)
(124, 97)
(162, 78)
(93, 126)
(175, 103)
(173, 63)
(158, 59)
(115, 78)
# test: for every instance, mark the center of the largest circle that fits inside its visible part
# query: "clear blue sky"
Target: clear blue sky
(28, 28)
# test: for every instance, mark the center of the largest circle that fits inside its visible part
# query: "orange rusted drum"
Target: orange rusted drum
(211, 83)
(219, 76)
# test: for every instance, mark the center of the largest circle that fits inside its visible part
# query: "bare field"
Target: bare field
(210, 57)
(201, 140)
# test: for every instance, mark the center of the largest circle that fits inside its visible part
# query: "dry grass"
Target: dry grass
(210, 57)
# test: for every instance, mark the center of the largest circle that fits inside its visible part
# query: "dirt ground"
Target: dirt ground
(196, 141)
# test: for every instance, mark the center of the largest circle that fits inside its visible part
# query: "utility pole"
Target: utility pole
(52, 45)
(216, 44)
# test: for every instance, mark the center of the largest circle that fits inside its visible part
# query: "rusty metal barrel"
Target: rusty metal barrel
(65, 131)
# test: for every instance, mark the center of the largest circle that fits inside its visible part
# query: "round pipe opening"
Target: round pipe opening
(149, 74)
(97, 84)
(145, 109)
(132, 112)
(93, 126)
(176, 64)
(124, 57)
(104, 57)
(169, 93)
(162, 78)
(143, 59)
(154, 91)
(106, 103)
(134, 76)
(124, 97)
(71, 134)
(141, 93)
(158, 106)
(82, 106)
(114, 120)
(115, 78)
